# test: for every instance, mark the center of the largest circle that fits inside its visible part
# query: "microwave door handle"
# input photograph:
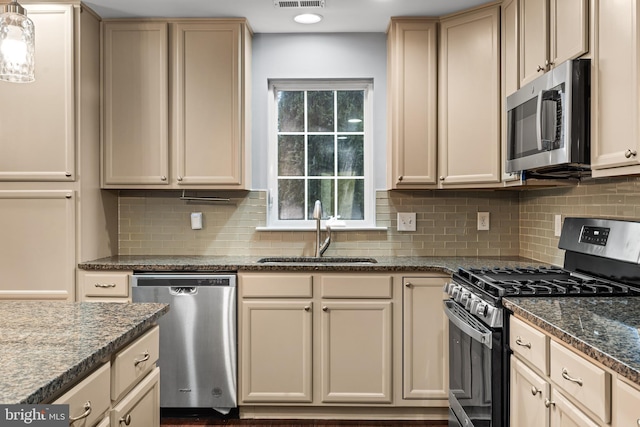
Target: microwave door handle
(539, 121)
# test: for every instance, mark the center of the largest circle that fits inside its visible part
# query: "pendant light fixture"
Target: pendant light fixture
(17, 45)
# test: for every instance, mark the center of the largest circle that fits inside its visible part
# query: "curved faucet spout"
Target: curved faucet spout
(317, 215)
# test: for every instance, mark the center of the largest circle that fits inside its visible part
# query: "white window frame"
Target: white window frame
(369, 194)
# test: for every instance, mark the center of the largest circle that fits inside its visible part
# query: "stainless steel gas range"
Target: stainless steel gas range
(602, 258)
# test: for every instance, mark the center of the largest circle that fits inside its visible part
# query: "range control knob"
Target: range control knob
(482, 309)
(471, 301)
(466, 296)
(455, 291)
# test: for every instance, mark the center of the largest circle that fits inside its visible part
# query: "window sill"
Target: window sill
(323, 228)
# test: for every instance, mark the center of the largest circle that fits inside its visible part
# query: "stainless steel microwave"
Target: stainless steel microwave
(548, 123)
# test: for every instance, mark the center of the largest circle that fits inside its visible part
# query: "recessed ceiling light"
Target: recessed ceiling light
(308, 18)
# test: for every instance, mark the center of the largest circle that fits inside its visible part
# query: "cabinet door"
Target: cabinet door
(626, 406)
(412, 94)
(141, 407)
(565, 414)
(275, 351)
(135, 104)
(469, 99)
(425, 339)
(208, 103)
(355, 352)
(615, 138)
(527, 398)
(37, 126)
(569, 23)
(37, 255)
(534, 39)
(510, 46)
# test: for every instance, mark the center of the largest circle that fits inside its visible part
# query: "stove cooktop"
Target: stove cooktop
(540, 281)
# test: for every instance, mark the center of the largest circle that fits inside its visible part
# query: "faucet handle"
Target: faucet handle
(317, 210)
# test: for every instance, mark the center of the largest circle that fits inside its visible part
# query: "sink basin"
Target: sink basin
(317, 260)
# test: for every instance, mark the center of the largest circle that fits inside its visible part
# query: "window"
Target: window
(320, 150)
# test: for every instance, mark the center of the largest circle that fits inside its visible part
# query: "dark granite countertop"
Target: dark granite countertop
(47, 346)
(605, 329)
(237, 263)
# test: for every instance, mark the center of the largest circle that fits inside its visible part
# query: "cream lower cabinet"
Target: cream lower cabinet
(626, 405)
(575, 393)
(329, 341)
(469, 143)
(422, 305)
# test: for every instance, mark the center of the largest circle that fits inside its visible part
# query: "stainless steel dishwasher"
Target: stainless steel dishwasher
(198, 367)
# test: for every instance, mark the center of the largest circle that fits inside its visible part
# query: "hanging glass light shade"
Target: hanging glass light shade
(17, 45)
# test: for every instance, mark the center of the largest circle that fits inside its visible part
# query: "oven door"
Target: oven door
(476, 383)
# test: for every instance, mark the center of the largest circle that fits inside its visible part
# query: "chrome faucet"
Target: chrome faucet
(317, 215)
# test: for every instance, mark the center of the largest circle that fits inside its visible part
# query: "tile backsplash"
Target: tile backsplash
(521, 223)
(159, 224)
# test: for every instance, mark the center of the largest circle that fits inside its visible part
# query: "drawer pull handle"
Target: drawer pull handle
(139, 361)
(522, 343)
(548, 403)
(105, 285)
(535, 391)
(85, 414)
(126, 420)
(565, 375)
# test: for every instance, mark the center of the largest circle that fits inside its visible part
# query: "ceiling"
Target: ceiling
(264, 17)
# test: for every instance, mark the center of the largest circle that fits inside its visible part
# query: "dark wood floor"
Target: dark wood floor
(182, 420)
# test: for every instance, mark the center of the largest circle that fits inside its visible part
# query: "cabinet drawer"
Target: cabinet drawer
(90, 397)
(105, 284)
(140, 408)
(582, 380)
(529, 344)
(133, 362)
(276, 286)
(356, 286)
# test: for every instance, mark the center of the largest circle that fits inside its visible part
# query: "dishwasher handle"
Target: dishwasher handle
(183, 290)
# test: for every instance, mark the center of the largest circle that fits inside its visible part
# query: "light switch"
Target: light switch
(196, 220)
(483, 220)
(406, 221)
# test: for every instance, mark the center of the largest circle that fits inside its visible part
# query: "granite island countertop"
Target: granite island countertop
(45, 347)
(605, 328)
(179, 263)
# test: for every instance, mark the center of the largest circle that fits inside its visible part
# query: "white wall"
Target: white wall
(318, 55)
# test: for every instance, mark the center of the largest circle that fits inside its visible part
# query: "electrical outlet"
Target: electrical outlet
(483, 220)
(557, 225)
(406, 221)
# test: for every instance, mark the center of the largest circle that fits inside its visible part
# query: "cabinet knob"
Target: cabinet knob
(163, 178)
(307, 308)
(535, 391)
(400, 178)
(126, 419)
(548, 403)
(179, 178)
(638, 422)
(540, 68)
(67, 174)
(408, 284)
(441, 178)
(630, 153)
(325, 308)
(548, 63)
(85, 414)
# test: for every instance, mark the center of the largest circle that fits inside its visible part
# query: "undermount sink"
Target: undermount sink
(317, 260)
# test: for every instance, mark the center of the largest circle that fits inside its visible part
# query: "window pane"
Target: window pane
(290, 111)
(350, 111)
(321, 189)
(350, 155)
(351, 199)
(321, 155)
(291, 199)
(320, 111)
(291, 155)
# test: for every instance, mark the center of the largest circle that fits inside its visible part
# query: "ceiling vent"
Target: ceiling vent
(308, 4)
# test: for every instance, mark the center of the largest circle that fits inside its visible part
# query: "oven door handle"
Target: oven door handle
(482, 337)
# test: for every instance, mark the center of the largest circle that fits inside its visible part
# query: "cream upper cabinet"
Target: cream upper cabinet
(37, 122)
(411, 103)
(135, 104)
(205, 66)
(615, 102)
(422, 305)
(551, 32)
(469, 99)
